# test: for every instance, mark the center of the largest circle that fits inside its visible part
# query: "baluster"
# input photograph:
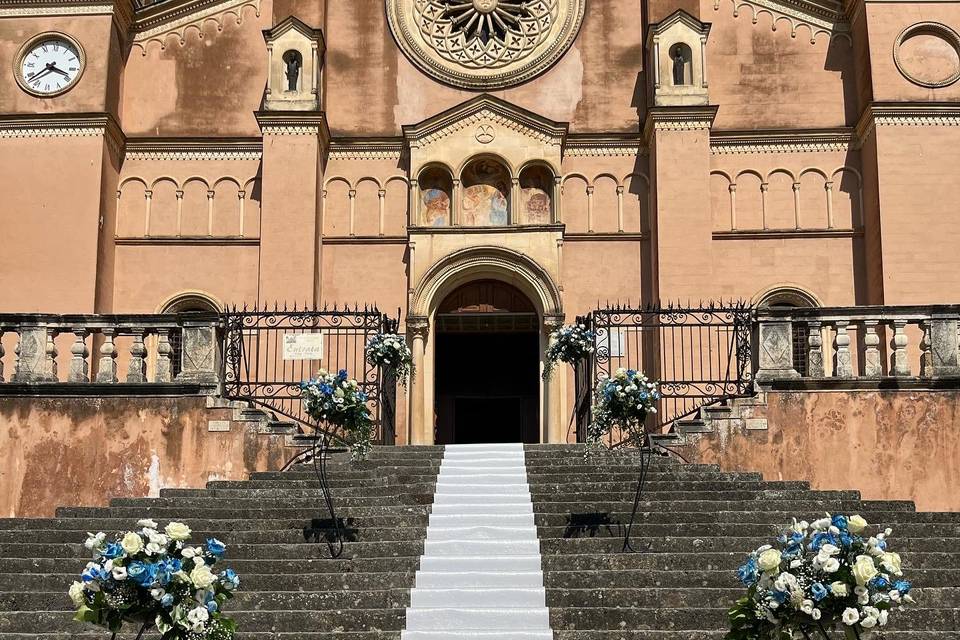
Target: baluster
(164, 349)
(137, 368)
(899, 364)
(815, 353)
(843, 367)
(872, 365)
(50, 358)
(926, 354)
(107, 369)
(2, 353)
(79, 371)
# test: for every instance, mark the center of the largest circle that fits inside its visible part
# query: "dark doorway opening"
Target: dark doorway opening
(487, 363)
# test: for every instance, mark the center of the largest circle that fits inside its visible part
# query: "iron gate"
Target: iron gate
(264, 361)
(699, 355)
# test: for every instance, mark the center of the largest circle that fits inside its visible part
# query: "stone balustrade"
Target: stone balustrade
(162, 349)
(863, 343)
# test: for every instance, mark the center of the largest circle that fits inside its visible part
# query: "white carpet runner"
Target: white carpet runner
(480, 574)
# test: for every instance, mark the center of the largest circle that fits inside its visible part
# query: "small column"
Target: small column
(899, 362)
(815, 353)
(926, 357)
(107, 370)
(179, 194)
(590, 208)
(210, 196)
(352, 195)
(50, 358)
(843, 367)
(79, 367)
(31, 354)
(199, 354)
(164, 349)
(733, 206)
(137, 368)
(421, 427)
(242, 197)
(943, 346)
(514, 201)
(828, 187)
(764, 187)
(796, 204)
(872, 365)
(381, 196)
(456, 207)
(619, 208)
(553, 419)
(2, 353)
(557, 199)
(776, 351)
(148, 196)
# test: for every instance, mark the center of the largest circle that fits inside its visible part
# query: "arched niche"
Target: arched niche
(681, 64)
(536, 195)
(486, 193)
(787, 297)
(436, 197)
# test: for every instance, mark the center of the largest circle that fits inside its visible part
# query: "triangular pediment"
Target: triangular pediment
(292, 23)
(679, 17)
(486, 109)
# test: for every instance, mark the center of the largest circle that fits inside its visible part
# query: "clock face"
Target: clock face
(49, 65)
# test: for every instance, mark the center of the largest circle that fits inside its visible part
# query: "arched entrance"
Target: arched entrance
(487, 363)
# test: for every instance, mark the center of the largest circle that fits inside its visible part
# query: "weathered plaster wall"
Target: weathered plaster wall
(83, 451)
(902, 445)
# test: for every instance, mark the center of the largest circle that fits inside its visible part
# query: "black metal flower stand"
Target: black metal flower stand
(646, 455)
(318, 453)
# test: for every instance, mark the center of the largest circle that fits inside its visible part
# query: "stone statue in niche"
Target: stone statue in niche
(293, 64)
(679, 66)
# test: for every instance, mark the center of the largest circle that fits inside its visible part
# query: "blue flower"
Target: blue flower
(342, 375)
(846, 539)
(216, 547)
(93, 573)
(779, 596)
(113, 550)
(903, 586)
(840, 522)
(818, 591)
(793, 549)
(880, 582)
(748, 571)
(167, 601)
(143, 573)
(821, 538)
(212, 606)
(229, 579)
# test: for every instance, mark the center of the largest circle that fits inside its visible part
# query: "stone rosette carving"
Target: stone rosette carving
(484, 44)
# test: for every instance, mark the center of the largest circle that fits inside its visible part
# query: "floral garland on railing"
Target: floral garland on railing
(571, 343)
(622, 400)
(389, 351)
(154, 578)
(819, 577)
(336, 399)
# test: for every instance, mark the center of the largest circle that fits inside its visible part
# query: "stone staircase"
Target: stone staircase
(695, 526)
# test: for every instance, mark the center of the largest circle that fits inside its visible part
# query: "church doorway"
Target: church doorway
(487, 364)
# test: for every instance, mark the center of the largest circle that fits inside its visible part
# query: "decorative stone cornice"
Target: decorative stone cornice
(158, 22)
(816, 16)
(194, 149)
(678, 119)
(121, 10)
(600, 146)
(490, 109)
(907, 114)
(64, 125)
(815, 140)
(294, 123)
(366, 148)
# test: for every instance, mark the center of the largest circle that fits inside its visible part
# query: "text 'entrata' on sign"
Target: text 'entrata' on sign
(303, 346)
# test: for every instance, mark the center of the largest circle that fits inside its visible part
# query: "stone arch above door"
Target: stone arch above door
(486, 263)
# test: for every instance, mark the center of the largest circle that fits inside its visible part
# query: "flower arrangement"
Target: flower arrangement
(390, 351)
(819, 577)
(570, 343)
(156, 578)
(337, 399)
(622, 400)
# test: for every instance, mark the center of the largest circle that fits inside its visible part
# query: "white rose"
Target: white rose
(148, 523)
(864, 570)
(198, 618)
(132, 543)
(856, 524)
(807, 607)
(816, 614)
(891, 562)
(160, 539)
(153, 549)
(177, 531)
(202, 577)
(769, 560)
(868, 622)
(76, 594)
(839, 589)
(119, 573)
(832, 565)
(850, 616)
(822, 524)
(829, 550)
(883, 617)
(188, 552)
(95, 540)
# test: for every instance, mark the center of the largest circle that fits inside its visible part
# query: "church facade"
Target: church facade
(454, 158)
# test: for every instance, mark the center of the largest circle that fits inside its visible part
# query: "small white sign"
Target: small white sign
(303, 346)
(612, 339)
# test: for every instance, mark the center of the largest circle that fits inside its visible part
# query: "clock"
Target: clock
(49, 64)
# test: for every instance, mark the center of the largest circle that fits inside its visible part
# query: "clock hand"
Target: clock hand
(55, 69)
(38, 74)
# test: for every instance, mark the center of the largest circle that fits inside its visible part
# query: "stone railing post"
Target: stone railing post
(872, 365)
(843, 367)
(421, 422)
(945, 355)
(775, 355)
(79, 367)
(815, 352)
(31, 354)
(164, 349)
(2, 353)
(137, 367)
(199, 353)
(50, 358)
(899, 362)
(107, 369)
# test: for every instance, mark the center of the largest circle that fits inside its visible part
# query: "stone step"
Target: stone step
(362, 491)
(886, 634)
(220, 512)
(221, 487)
(306, 564)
